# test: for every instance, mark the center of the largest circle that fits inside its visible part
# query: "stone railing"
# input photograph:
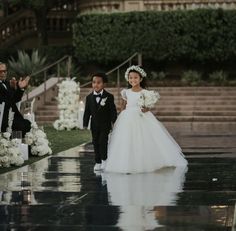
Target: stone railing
(23, 23)
(188, 4)
(87, 6)
(15, 25)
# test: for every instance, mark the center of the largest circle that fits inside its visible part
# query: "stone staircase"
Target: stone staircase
(47, 113)
(182, 108)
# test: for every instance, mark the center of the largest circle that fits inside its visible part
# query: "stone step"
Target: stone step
(45, 122)
(195, 113)
(197, 97)
(172, 89)
(195, 108)
(46, 118)
(180, 94)
(197, 118)
(178, 107)
(200, 127)
(47, 112)
(48, 107)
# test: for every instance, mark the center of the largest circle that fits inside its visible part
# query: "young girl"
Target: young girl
(139, 142)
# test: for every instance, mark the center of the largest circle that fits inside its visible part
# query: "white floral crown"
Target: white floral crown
(135, 68)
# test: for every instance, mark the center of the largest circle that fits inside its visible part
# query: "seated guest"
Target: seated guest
(11, 93)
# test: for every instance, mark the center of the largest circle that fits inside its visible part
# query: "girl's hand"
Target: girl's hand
(145, 109)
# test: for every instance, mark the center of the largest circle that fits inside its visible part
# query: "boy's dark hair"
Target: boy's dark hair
(101, 75)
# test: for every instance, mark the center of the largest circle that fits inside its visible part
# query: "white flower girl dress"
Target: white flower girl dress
(139, 142)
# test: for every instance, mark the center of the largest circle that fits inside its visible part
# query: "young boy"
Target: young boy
(102, 110)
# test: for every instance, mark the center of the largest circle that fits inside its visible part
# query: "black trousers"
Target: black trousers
(21, 124)
(100, 140)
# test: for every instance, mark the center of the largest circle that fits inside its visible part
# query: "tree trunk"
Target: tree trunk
(5, 8)
(41, 22)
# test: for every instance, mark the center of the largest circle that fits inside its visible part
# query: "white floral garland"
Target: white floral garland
(38, 141)
(10, 121)
(9, 152)
(135, 68)
(9, 149)
(68, 105)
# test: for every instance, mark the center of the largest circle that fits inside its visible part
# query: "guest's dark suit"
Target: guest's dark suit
(12, 96)
(102, 117)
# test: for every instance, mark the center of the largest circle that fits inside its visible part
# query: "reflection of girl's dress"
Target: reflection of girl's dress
(137, 194)
(139, 142)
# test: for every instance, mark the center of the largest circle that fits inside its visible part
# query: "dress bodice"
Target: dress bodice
(131, 97)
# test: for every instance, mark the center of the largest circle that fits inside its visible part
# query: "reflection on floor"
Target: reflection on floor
(63, 193)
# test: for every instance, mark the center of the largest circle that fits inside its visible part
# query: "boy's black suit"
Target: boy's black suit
(12, 96)
(103, 115)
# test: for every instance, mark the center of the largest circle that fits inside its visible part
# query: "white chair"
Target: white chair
(2, 106)
(81, 114)
(32, 109)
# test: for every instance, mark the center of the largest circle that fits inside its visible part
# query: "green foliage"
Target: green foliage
(26, 64)
(63, 140)
(197, 36)
(158, 75)
(54, 52)
(219, 77)
(74, 72)
(191, 77)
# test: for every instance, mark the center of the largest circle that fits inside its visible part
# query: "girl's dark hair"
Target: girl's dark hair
(143, 83)
(101, 75)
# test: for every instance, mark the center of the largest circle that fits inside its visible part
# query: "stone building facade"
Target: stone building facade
(110, 6)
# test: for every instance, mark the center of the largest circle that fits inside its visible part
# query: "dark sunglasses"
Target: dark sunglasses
(3, 70)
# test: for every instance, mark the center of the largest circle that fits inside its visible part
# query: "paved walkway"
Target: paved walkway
(62, 192)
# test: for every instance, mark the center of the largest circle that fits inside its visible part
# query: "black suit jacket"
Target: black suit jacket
(102, 116)
(10, 96)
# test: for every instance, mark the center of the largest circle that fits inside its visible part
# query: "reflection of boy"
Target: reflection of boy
(102, 110)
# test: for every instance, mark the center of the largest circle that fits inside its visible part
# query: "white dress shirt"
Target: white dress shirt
(98, 93)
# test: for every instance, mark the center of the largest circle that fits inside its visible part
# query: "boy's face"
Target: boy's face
(97, 83)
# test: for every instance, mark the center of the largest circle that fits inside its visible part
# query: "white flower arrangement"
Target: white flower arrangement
(148, 99)
(38, 141)
(103, 101)
(135, 68)
(10, 121)
(9, 151)
(68, 105)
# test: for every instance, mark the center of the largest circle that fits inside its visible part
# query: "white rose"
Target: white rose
(6, 135)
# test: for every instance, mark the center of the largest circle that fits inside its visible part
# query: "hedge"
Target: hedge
(200, 36)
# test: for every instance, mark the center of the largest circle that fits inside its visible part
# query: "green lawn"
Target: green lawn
(60, 141)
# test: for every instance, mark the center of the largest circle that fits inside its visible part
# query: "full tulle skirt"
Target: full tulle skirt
(140, 143)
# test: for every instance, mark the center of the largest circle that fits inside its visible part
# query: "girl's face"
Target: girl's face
(134, 79)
